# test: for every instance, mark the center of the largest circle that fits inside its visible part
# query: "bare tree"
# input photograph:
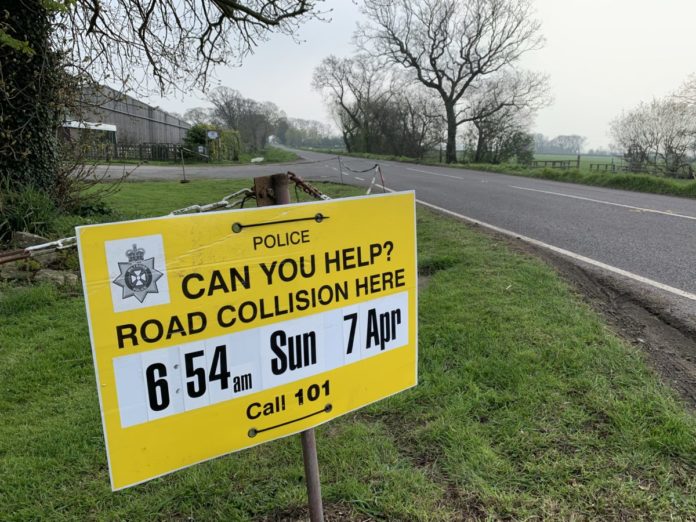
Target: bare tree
(311, 133)
(490, 135)
(255, 121)
(48, 46)
(420, 122)
(541, 143)
(659, 135)
(174, 42)
(500, 106)
(197, 115)
(562, 144)
(687, 92)
(569, 143)
(354, 86)
(378, 108)
(451, 45)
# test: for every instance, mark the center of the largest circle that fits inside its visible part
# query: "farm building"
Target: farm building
(127, 120)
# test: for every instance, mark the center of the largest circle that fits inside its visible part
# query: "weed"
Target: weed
(25, 209)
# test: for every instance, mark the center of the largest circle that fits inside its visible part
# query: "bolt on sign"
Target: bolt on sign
(216, 332)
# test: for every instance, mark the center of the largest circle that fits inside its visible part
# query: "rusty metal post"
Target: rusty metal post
(311, 466)
(274, 190)
(281, 190)
(263, 191)
(183, 167)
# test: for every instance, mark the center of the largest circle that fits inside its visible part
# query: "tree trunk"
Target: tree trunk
(480, 146)
(347, 141)
(367, 143)
(30, 99)
(451, 150)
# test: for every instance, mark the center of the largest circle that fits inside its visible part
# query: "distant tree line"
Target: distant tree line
(428, 75)
(309, 133)
(434, 72)
(599, 151)
(563, 144)
(660, 136)
(254, 123)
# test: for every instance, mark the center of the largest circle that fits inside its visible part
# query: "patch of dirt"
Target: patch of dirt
(662, 325)
(645, 319)
(423, 281)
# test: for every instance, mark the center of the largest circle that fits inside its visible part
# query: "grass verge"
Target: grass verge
(625, 181)
(527, 407)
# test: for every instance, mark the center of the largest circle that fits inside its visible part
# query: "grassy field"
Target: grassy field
(270, 155)
(585, 160)
(624, 181)
(433, 157)
(527, 408)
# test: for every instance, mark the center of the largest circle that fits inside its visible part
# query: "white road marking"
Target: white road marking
(639, 209)
(562, 251)
(434, 173)
(361, 179)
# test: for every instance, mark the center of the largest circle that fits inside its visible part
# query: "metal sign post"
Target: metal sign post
(183, 167)
(311, 466)
(273, 190)
(213, 135)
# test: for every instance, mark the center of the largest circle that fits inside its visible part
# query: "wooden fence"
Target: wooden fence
(608, 167)
(557, 164)
(611, 167)
(143, 152)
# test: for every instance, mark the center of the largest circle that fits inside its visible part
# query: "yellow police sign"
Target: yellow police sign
(216, 332)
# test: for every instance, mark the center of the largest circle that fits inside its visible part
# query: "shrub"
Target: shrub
(27, 209)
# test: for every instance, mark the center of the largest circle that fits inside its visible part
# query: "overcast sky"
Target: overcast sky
(602, 56)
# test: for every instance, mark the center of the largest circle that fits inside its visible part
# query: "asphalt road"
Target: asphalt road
(647, 235)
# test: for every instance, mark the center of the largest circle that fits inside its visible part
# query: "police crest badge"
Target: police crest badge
(138, 276)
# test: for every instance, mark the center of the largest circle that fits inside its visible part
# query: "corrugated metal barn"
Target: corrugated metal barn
(136, 122)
